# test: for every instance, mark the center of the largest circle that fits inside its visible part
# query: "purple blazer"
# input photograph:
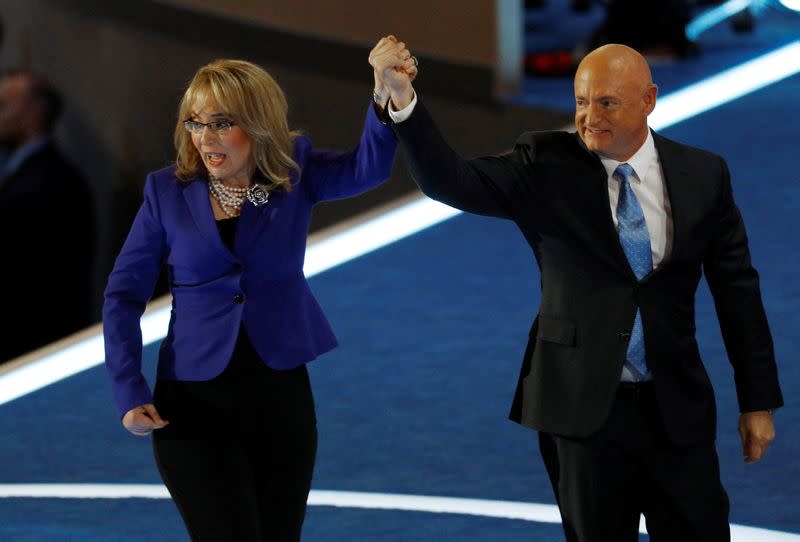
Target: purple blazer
(260, 284)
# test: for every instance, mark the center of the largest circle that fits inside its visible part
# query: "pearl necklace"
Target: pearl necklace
(230, 199)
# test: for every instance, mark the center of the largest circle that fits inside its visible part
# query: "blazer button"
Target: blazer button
(625, 335)
(238, 298)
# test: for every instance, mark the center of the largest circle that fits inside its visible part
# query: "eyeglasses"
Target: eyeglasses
(219, 127)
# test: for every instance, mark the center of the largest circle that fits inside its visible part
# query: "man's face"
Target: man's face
(15, 110)
(611, 111)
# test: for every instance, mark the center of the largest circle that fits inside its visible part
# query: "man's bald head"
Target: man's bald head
(614, 93)
(620, 60)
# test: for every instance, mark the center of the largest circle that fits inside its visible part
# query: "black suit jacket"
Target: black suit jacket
(47, 239)
(556, 191)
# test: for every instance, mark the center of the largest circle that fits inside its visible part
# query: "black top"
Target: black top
(244, 359)
(227, 230)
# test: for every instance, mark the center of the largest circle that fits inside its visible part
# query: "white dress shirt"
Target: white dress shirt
(648, 185)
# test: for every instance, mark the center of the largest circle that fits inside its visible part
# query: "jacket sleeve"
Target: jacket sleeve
(336, 175)
(734, 285)
(130, 286)
(488, 186)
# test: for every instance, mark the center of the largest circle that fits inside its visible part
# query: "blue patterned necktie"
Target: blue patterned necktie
(635, 241)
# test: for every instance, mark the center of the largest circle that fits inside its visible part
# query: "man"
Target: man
(46, 222)
(622, 222)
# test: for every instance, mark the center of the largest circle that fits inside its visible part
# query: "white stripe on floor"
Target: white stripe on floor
(514, 510)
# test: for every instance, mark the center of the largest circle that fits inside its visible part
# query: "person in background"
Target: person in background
(232, 415)
(47, 221)
(623, 223)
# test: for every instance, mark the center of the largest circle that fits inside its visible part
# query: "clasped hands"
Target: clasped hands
(394, 69)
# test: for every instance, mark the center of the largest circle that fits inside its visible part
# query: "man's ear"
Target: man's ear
(650, 94)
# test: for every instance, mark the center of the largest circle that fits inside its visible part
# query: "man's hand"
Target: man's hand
(142, 420)
(394, 69)
(757, 432)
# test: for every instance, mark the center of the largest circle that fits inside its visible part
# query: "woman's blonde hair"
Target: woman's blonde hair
(255, 103)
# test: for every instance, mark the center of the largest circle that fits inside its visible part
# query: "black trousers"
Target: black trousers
(238, 453)
(603, 483)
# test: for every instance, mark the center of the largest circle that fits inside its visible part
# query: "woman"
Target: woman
(232, 415)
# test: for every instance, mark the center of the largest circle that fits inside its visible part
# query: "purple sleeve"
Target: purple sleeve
(336, 175)
(130, 286)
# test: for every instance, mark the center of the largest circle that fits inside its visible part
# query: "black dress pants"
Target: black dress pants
(238, 453)
(604, 482)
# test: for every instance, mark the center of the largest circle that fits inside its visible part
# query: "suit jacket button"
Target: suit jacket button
(625, 335)
(238, 298)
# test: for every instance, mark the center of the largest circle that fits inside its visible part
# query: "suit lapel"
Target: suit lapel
(197, 198)
(678, 185)
(599, 184)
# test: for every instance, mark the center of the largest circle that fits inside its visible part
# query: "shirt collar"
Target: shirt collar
(640, 161)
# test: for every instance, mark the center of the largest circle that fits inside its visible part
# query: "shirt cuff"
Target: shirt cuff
(403, 114)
